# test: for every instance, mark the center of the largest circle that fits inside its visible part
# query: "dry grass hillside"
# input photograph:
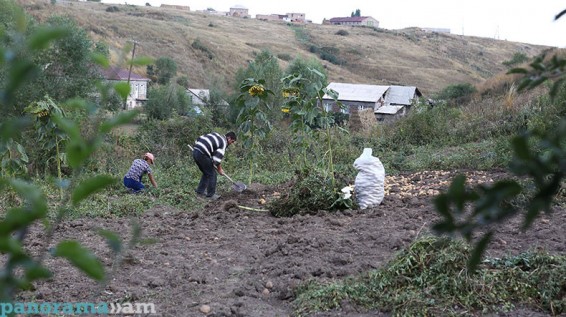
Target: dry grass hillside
(210, 49)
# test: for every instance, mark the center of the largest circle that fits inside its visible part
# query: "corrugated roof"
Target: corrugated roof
(388, 109)
(401, 95)
(116, 73)
(357, 92)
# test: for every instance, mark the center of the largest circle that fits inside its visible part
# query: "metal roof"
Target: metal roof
(388, 109)
(357, 92)
(401, 95)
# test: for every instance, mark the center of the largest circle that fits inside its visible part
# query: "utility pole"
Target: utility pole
(130, 73)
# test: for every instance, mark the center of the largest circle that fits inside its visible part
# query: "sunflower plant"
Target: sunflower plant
(309, 118)
(253, 121)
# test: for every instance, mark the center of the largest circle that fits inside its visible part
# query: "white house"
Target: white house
(138, 85)
(201, 98)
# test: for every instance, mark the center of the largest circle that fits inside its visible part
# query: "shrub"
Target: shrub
(458, 93)
(284, 56)
(518, 58)
(342, 33)
(199, 45)
(112, 9)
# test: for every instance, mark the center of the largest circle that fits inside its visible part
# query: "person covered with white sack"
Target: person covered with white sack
(370, 181)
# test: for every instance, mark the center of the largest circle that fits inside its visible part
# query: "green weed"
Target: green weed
(430, 278)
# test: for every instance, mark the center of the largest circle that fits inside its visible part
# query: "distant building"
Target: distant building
(177, 7)
(138, 85)
(213, 12)
(239, 11)
(388, 103)
(436, 30)
(270, 17)
(354, 21)
(289, 17)
(296, 17)
(200, 98)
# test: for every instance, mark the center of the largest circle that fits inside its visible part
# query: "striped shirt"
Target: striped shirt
(138, 168)
(214, 145)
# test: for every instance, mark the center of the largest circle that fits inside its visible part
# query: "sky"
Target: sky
(524, 21)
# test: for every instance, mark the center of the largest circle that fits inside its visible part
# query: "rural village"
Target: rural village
(164, 161)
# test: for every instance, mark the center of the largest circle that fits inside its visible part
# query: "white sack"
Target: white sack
(370, 181)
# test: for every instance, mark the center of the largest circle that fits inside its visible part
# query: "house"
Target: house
(388, 103)
(355, 97)
(398, 101)
(289, 17)
(354, 21)
(295, 17)
(239, 11)
(200, 98)
(138, 85)
(213, 12)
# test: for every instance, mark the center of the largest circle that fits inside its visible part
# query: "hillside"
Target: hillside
(210, 49)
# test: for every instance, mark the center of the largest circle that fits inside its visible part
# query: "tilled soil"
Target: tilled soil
(230, 261)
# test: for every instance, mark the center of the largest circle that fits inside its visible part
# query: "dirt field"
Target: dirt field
(239, 262)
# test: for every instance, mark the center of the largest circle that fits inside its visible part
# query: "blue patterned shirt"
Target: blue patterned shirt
(138, 168)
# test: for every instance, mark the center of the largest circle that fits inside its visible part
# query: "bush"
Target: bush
(163, 101)
(518, 58)
(199, 45)
(458, 93)
(284, 57)
(342, 33)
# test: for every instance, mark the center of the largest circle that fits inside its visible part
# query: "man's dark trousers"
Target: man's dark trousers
(208, 179)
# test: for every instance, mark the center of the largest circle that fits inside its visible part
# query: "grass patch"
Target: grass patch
(199, 45)
(301, 34)
(430, 278)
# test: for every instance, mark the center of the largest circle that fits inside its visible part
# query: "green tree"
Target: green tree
(68, 70)
(356, 13)
(265, 66)
(165, 69)
(311, 71)
(164, 101)
(20, 268)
